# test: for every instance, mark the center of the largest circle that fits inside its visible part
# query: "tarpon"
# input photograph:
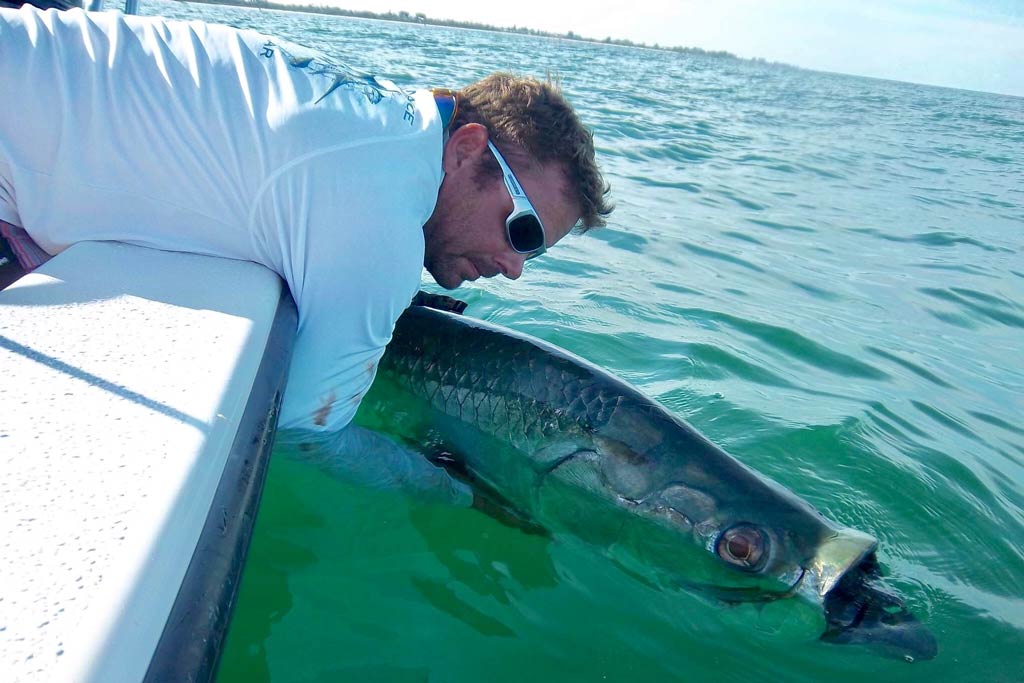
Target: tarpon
(571, 448)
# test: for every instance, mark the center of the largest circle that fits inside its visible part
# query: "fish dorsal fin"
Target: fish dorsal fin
(440, 302)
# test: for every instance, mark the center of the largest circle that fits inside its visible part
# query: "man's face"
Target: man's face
(465, 236)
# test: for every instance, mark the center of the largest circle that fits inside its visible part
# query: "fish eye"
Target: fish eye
(743, 546)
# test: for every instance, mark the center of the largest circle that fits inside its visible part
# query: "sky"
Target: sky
(971, 44)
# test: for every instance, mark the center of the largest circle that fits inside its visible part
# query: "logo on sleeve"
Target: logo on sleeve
(336, 74)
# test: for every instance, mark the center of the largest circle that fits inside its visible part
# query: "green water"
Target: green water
(821, 273)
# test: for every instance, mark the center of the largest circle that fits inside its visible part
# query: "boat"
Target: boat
(138, 406)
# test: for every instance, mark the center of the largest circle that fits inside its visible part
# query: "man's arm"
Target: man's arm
(367, 458)
(351, 226)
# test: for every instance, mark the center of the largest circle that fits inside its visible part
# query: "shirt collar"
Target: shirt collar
(447, 106)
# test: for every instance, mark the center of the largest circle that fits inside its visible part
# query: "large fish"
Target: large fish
(573, 449)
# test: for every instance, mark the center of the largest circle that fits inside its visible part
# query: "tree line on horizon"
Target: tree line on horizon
(421, 18)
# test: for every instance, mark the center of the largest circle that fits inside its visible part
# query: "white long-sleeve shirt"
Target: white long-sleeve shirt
(192, 137)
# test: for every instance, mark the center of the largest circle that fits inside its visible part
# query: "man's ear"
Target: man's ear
(464, 146)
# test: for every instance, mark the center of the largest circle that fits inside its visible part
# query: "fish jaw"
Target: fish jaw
(860, 611)
(845, 577)
(836, 556)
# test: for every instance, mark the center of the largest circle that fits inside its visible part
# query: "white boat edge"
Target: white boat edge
(138, 392)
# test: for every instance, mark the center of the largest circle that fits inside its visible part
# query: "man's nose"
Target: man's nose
(511, 264)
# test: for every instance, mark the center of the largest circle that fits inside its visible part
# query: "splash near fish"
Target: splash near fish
(569, 448)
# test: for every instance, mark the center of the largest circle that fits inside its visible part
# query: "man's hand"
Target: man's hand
(368, 458)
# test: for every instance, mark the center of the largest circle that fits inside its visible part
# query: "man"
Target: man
(206, 139)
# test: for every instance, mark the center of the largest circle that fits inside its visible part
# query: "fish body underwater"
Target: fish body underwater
(573, 449)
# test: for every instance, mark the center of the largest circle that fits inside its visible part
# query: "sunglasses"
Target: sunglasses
(523, 227)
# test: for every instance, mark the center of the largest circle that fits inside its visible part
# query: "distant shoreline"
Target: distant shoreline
(420, 18)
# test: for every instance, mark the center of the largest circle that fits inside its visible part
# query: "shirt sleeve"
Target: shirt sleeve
(350, 227)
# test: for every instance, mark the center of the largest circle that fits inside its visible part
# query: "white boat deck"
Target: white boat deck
(124, 375)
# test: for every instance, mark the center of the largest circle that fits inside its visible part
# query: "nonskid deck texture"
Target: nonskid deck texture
(125, 375)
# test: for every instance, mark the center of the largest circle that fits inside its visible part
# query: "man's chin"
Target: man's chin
(446, 280)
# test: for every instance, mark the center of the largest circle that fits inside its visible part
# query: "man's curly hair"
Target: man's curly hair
(527, 116)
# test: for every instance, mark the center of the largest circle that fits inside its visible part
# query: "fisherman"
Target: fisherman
(207, 139)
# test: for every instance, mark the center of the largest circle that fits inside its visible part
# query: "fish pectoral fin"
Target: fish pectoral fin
(452, 465)
(485, 498)
(504, 513)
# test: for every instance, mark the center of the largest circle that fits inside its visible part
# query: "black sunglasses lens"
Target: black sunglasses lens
(526, 234)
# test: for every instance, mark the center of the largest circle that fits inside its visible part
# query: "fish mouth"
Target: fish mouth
(839, 554)
(858, 609)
